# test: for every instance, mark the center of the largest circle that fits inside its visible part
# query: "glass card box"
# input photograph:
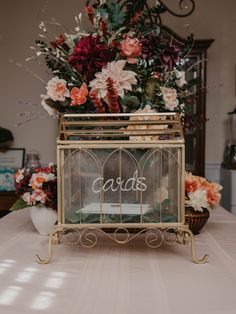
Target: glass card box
(121, 169)
(121, 175)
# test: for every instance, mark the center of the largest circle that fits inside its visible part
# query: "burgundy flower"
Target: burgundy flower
(23, 185)
(154, 47)
(169, 56)
(50, 189)
(90, 56)
(150, 46)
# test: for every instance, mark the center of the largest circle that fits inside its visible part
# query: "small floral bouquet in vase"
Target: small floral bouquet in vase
(37, 189)
(37, 186)
(201, 196)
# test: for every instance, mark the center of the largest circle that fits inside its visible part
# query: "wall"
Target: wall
(18, 30)
(213, 20)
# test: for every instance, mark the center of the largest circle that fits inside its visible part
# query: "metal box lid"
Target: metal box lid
(132, 128)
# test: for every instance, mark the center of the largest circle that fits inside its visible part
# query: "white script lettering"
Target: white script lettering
(134, 183)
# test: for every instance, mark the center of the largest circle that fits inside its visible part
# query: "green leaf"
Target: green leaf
(115, 14)
(19, 204)
(130, 101)
(73, 217)
(59, 106)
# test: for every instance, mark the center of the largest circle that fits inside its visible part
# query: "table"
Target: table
(117, 279)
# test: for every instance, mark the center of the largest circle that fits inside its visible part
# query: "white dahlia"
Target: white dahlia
(123, 79)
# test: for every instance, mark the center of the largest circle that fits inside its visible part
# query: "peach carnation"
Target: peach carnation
(201, 193)
(79, 95)
(213, 198)
(191, 183)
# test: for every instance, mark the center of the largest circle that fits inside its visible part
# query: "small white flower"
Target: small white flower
(170, 98)
(19, 175)
(197, 200)
(27, 198)
(181, 78)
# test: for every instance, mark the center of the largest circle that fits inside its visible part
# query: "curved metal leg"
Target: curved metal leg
(193, 251)
(184, 236)
(47, 260)
(56, 237)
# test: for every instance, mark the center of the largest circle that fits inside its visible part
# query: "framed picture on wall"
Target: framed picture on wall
(12, 158)
(10, 161)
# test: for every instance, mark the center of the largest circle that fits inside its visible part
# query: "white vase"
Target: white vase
(43, 218)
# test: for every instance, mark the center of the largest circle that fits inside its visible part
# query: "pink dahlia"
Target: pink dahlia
(90, 56)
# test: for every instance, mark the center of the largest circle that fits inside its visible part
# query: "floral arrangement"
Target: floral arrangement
(37, 186)
(124, 63)
(201, 193)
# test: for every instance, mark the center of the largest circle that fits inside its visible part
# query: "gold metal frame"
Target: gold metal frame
(120, 132)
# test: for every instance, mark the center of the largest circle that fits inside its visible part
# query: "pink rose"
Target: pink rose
(38, 196)
(170, 98)
(131, 48)
(57, 90)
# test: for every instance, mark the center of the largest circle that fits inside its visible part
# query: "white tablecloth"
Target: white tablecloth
(117, 279)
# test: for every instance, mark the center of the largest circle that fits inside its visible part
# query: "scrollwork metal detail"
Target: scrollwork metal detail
(185, 5)
(88, 238)
(125, 233)
(152, 13)
(154, 237)
(71, 236)
(169, 236)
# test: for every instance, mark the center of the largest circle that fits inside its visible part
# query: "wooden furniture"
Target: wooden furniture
(7, 199)
(195, 137)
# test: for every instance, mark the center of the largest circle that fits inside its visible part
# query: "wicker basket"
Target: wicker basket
(196, 219)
